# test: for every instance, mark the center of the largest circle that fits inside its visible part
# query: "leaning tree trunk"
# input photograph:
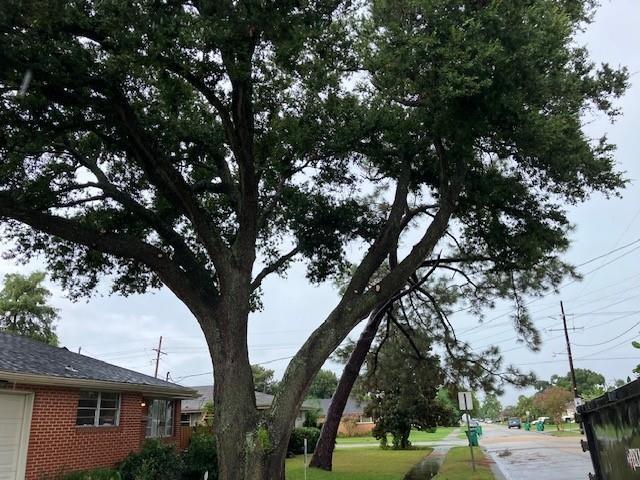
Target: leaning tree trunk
(323, 454)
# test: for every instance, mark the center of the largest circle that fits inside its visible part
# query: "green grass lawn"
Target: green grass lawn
(568, 430)
(360, 464)
(457, 465)
(416, 436)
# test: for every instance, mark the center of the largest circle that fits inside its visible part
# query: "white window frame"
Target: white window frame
(149, 430)
(96, 416)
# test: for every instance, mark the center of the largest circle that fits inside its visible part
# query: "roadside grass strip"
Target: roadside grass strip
(416, 436)
(457, 465)
(360, 464)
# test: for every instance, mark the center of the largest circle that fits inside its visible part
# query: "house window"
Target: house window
(98, 409)
(185, 419)
(160, 419)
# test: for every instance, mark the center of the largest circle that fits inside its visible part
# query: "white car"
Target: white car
(540, 419)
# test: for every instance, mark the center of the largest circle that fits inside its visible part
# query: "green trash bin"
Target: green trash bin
(472, 435)
(527, 427)
(540, 427)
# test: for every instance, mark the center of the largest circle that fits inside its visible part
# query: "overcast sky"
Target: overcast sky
(606, 304)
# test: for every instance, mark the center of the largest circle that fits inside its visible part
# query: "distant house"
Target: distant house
(194, 411)
(61, 411)
(353, 423)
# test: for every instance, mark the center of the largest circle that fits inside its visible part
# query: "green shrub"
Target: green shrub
(200, 457)
(296, 441)
(96, 474)
(154, 461)
(311, 418)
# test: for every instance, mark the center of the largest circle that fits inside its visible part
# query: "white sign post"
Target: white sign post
(465, 402)
(305, 459)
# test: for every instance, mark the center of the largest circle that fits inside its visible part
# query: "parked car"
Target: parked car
(513, 422)
(541, 419)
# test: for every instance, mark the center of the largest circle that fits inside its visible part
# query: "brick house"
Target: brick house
(354, 422)
(61, 411)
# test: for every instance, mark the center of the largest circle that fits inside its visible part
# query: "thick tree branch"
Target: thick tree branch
(356, 305)
(273, 267)
(172, 185)
(119, 245)
(183, 254)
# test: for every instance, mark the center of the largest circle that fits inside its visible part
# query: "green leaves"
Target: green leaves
(24, 309)
(162, 122)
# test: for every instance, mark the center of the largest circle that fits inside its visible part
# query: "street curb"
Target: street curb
(495, 469)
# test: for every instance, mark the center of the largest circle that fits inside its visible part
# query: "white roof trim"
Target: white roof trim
(50, 380)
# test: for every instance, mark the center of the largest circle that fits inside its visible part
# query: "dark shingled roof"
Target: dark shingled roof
(263, 400)
(353, 407)
(22, 355)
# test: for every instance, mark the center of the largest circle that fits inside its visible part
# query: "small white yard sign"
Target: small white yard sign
(465, 401)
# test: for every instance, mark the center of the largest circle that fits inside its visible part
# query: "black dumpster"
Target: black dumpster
(612, 425)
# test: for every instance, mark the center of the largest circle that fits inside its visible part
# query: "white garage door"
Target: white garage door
(15, 416)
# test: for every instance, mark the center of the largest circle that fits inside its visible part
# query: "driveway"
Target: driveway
(524, 455)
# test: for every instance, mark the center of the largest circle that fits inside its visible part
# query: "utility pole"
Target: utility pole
(158, 353)
(566, 336)
(79, 350)
(577, 401)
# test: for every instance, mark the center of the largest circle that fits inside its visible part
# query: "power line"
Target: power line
(637, 240)
(211, 373)
(578, 358)
(610, 340)
(569, 283)
(578, 315)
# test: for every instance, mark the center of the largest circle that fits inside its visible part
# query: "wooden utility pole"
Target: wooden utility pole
(158, 353)
(566, 336)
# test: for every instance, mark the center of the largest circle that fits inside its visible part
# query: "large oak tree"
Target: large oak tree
(204, 145)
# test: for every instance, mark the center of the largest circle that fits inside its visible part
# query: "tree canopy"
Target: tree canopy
(205, 145)
(587, 381)
(401, 385)
(324, 384)
(263, 379)
(491, 407)
(24, 309)
(553, 402)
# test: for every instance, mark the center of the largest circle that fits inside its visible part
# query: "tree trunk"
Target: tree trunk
(249, 444)
(323, 454)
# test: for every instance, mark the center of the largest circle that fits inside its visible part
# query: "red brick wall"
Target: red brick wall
(57, 445)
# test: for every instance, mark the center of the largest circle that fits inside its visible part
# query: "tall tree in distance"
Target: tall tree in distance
(24, 309)
(491, 407)
(323, 385)
(553, 402)
(589, 383)
(205, 145)
(263, 379)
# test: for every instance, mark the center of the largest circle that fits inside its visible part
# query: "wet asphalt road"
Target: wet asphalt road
(535, 456)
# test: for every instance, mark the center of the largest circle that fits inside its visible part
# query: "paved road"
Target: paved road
(535, 456)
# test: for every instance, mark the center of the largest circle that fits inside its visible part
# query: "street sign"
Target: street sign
(465, 401)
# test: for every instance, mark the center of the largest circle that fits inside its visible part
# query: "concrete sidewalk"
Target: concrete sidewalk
(449, 441)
